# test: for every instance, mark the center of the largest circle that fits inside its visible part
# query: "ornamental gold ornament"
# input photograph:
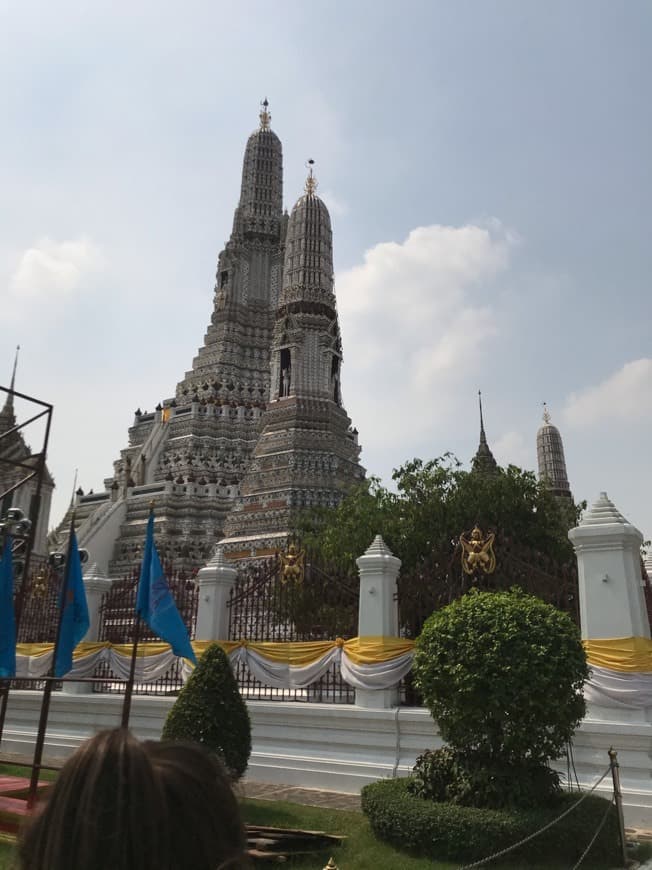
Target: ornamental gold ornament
(292, 564)
(478, 553)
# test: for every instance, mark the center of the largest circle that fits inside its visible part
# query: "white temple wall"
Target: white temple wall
(327, 746)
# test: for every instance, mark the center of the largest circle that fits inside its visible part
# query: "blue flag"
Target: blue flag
(74, 610)
(7, 617)
(155, 603)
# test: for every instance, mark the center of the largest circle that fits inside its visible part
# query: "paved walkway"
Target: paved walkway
(310, 797)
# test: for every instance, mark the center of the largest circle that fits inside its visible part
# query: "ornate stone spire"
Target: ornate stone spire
(307, 454)
(261, 191)
(308, 266)
(550, 457)
(7, 412)
(483, 462)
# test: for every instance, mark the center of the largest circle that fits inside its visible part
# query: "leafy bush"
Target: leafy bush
(502, 674)
(444, 775)
(449, 832)
(210, 711)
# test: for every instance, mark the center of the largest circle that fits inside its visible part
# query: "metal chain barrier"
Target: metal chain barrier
(544, 828)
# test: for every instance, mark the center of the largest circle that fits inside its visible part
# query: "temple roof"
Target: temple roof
(483, 462)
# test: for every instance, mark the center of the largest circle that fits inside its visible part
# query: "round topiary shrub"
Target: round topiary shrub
(450, 832)
(210, 711)
(502, 674)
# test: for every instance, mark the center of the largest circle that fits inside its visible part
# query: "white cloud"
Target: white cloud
(335, 204)
(53, 270)
(512, 449)
(416, 318)
(624, 396)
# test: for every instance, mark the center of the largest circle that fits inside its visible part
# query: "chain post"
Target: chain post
(615, 775)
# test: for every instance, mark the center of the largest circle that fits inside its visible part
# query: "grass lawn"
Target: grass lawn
(361, 851)
(6, 857)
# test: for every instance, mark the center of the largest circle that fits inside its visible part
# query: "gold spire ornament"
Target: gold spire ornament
(331, 864)
(546, 413)
(292, 564)
(265, 116)
(478, 553)
(311, 181)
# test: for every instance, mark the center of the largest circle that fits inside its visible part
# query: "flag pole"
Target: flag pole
(47, 692)
(6, 683)
(129, 688)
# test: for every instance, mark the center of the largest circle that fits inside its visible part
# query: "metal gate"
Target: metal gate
(316, 605)
(118, 623)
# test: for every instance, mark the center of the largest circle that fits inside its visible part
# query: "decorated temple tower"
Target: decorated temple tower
(307, 453)
(484, 461)
(192, 456)
(15, 467)
(550, 457)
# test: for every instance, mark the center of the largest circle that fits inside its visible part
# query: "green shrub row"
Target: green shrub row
(450, 832)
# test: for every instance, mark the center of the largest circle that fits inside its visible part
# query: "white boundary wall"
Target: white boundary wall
(328, 746)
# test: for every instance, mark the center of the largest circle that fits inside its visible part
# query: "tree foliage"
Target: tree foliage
(210, 711)
(422, 519)
(502, 674)
(432, 503)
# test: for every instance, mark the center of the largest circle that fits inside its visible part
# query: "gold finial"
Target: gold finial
(265, 116)
(311, 181)
(546, 413)
(331, 864)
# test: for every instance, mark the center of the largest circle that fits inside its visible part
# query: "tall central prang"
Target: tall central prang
(307, 454)
(256, 428)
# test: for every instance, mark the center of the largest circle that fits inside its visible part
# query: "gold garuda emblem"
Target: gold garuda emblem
(292, 564)
(478, 552)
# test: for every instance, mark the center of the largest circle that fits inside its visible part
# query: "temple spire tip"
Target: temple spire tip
(546, 413)
(264, 115)
(311, 181)
(482, 433)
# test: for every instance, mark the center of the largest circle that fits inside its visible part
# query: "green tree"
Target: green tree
(502, 674)
(422, 520)
(210, 711)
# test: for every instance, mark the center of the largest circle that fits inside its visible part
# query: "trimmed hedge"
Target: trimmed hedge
(210, 711)
(450, 832)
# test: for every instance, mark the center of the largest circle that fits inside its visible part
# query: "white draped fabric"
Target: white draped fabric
(609, 688)
(281, 675)
(605, 687)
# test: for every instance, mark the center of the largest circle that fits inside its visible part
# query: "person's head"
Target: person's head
(119, 804)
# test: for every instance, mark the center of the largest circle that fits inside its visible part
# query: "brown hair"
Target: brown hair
(119, 804)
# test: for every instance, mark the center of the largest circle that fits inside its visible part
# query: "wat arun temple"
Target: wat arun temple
(256, 431)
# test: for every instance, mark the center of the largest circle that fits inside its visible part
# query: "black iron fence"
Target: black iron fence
(318, 604)
(118, 624)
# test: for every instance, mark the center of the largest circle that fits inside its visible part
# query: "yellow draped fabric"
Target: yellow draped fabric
(626, 654)
(360, 650)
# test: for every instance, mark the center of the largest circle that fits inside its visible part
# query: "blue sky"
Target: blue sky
(487, 169)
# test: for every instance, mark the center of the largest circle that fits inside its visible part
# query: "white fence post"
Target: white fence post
(612, 603)
(95, 584)
(378, 611)
(216, 580)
